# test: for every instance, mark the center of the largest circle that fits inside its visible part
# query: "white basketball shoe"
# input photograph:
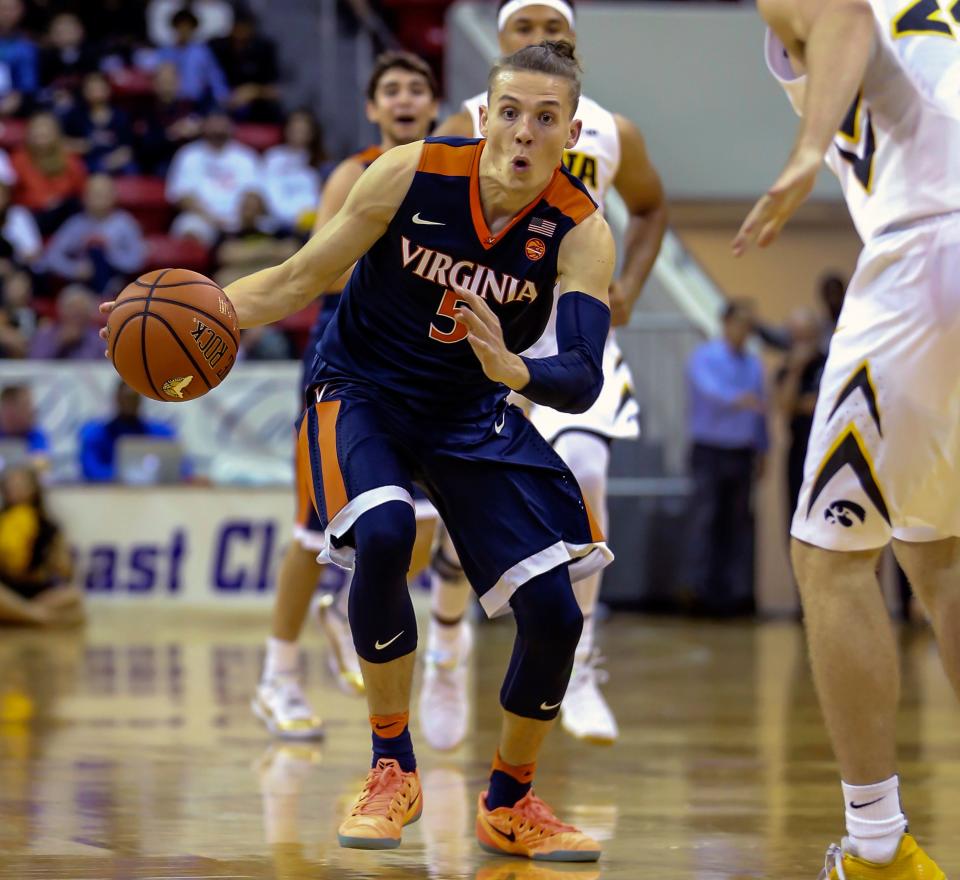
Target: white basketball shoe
(585, 712)
(444, 706)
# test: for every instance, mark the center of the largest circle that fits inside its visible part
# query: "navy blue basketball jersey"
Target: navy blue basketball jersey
(395, 327)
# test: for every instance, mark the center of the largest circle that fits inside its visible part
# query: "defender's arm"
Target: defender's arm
(458, 125)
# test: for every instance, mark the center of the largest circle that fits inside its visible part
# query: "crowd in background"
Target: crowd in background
(136, 136)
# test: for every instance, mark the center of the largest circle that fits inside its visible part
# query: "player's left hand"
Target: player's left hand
(777, 206)
(105, 309)
(485, 336)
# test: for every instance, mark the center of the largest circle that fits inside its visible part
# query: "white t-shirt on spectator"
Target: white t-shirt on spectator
(20, 230)
(291, 186)
(215, 19)
(216, 178)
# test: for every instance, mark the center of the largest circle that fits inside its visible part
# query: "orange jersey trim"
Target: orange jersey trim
(369, 155)
(596, 533)
(446, 159)
(564, 195)
(334, 491)
(306, 494)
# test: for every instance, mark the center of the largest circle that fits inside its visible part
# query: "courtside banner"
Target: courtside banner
(181, 544)
(240, 433)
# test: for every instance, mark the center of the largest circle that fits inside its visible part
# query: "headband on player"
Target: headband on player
(513, 6)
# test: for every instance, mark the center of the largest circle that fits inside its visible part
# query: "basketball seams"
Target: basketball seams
(200, 370)
(176, 302)
(143, 333)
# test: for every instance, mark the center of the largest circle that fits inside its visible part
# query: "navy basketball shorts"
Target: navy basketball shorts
(512, 507)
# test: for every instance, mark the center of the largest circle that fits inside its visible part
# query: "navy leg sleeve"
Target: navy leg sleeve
(549, 623)
(381, 613)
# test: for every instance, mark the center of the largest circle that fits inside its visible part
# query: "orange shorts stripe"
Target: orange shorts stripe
(565, 197)
(306, 496)
(447, 159)
(334, 491)
(596, 533)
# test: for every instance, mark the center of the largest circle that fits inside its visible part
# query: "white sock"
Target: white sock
(283, 658)
(585, 645)
(875, 822)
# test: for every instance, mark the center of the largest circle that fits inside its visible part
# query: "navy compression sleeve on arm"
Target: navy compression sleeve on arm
(571, 380)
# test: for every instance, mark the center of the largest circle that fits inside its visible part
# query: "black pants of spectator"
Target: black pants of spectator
(720, 545)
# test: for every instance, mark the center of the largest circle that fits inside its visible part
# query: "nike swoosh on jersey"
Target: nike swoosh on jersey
(421, 222)
(547, 708)
(380, 647)
(498, 426)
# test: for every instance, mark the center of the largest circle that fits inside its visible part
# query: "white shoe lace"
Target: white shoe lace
(833, 861)
(591, 671)
(286, 695)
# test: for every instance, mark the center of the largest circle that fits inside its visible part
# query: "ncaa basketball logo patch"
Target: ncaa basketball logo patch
(176, 387)
(535, 249)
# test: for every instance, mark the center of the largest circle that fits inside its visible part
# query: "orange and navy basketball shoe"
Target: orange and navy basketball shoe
(390, 799)
(910, 863)
(530, 829)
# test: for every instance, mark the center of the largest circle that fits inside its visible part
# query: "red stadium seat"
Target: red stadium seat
(131, 82)
(146, 199)
(165, 252)
(298, 325)
(259, 136)
(12, 133)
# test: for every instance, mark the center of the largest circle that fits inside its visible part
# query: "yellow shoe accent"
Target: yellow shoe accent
(530, 829)
(341, 655)
(910, 863)
(390, 800)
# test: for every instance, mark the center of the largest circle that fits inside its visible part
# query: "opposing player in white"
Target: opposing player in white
(876, 85)
(610, 154)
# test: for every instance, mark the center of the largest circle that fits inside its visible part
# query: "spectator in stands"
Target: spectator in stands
(214, 19)
(18, 62)
(103, 246)
(728, 431)
(36, 569)
(167, 122)
(20, 240)
(18, 320)
(257, 242)
(18, 420)
(796, 386)
(201, 79)
(291, 182)
(74, 336)
(98, 131)
(249, 62)
(833, 290)
(66, 58)
(98, 439)
(50, 179)
(208, 179)
(8, 177)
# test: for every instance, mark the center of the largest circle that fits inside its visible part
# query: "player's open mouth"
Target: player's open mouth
(520, 164)
(405, 120)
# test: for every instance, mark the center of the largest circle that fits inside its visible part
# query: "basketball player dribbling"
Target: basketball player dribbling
(402, 103)
(610, 154)
(875, 83)
(410, 383)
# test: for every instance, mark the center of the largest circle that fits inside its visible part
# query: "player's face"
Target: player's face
(528, 126)
(403, 107)
(532, 25)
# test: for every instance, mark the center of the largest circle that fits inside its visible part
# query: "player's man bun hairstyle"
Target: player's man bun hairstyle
(552, 57)
(397, 58)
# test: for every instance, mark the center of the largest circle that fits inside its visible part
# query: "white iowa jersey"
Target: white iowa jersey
(596, 157)
(897, 154)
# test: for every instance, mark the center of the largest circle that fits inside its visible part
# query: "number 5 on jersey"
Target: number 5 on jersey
(448, 308)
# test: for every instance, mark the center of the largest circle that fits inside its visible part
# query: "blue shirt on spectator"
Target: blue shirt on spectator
(98, 444)
(37, 441)
(717, 376)
(18, 65)
(200, 75)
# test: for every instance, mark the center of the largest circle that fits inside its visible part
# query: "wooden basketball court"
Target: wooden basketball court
(129, 751)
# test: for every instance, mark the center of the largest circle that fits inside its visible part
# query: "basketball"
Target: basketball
(173, 335)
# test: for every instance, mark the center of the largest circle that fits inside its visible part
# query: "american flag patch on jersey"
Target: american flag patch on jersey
(544, 227)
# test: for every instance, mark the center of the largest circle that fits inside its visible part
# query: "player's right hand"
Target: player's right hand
(105, 309)
(780, 202)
